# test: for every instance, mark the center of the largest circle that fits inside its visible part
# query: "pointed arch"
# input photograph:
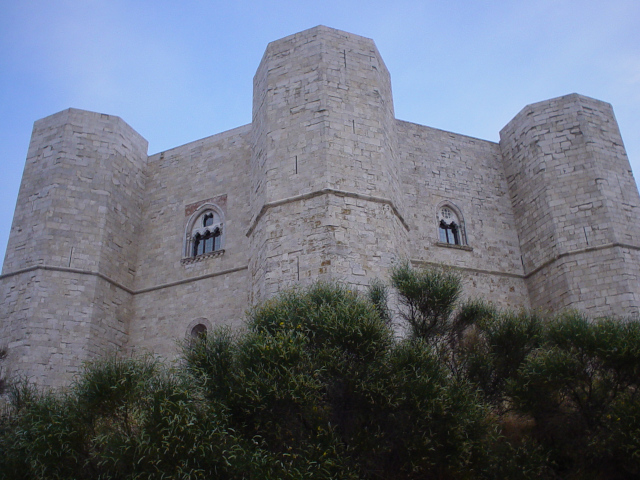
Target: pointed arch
(204, 232)
(450, 224)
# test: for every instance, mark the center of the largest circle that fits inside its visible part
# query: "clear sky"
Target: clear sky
(180, 70)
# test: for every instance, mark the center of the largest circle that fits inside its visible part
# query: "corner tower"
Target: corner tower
(325, 197)
(65, 287)
(576, 206)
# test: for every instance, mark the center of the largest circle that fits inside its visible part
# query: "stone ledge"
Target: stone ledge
(119, 285)
(466, 248)
(579, 251)
(326, 191)
(417, 262)
(200, 258)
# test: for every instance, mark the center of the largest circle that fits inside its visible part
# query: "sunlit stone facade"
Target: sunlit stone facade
(115, 249)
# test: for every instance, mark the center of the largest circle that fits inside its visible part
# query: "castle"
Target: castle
(115, 249)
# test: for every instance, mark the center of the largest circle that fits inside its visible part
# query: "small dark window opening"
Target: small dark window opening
(207, 220)
(199, 331)
(449, 233)
(209, 242)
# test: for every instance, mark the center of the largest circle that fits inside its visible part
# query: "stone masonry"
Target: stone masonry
(325, 183)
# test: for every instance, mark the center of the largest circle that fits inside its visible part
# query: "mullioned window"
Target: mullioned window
(450, 225)
(204, 234)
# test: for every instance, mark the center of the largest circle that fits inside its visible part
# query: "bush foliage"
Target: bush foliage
(319, 386)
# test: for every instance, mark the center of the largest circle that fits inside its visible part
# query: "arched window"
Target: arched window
(208, 242)
(450, 226)
(199, 331)
(204, 232)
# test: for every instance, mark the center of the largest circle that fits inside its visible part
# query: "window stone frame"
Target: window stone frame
(462, 230)
(191, 226)
(194, 323)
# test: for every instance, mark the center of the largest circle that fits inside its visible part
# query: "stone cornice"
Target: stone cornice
(466, 269)
(118, 284)
(246, 267)
(578, 251)
(326, 191)
(535, 270)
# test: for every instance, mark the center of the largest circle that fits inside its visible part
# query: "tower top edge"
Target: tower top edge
(319, 35)
(321, 31)
(80, 116)
(575, 98)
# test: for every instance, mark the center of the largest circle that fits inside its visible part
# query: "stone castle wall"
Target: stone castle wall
(441, 166)
(576, 205)
(170, 292)
(324, 163)
(324, 184)
(70, 261)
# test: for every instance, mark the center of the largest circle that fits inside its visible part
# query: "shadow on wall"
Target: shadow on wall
(3, 372)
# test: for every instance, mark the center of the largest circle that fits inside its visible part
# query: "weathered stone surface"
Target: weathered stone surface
(576, 206)
(325, 183)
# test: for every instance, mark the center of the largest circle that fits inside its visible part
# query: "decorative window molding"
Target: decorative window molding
(204, 234)
(199, 258)
(450, 225)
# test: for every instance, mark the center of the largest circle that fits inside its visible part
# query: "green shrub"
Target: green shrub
(497, 347)
(378, 293)
(43, 436)
(576, 386)
(319, 377)
(318, 387)
(429, 296)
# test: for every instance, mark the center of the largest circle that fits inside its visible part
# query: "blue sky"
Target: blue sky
(177, 71)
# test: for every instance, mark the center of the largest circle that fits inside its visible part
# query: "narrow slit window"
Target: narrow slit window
(449, 233)
(208, 243)
(197, 240)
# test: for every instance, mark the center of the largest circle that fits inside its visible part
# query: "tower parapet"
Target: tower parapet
(576, 206)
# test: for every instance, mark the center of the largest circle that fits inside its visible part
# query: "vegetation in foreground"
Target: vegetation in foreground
(318, 387)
